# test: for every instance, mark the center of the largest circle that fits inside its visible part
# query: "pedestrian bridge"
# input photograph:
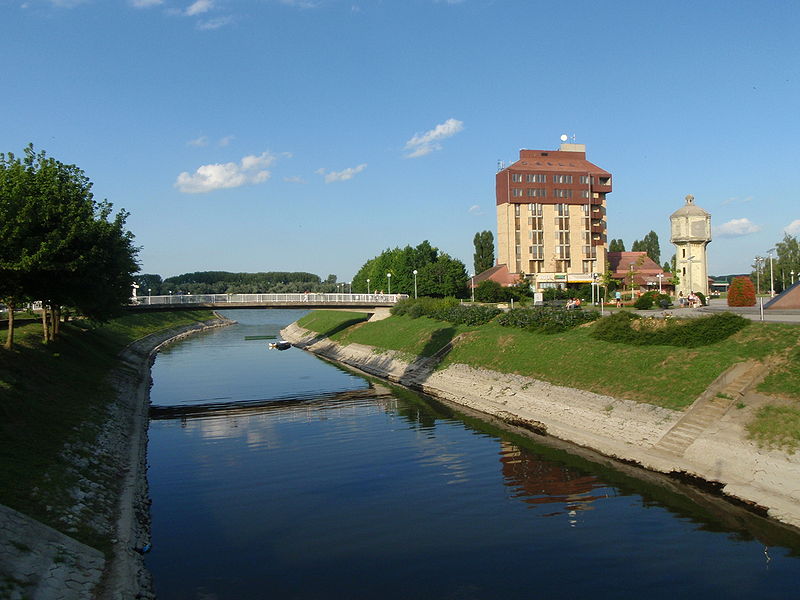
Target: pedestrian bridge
(305, 300)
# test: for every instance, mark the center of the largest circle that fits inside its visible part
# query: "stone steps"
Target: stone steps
(707, 410)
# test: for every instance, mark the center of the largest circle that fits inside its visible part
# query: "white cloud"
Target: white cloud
(737, 228)
(425, 143)
(198, 142)
(199, 7)
(212, 24)
(475, 209)
(300, 3)
(294, 179)
(145, 3)
(793, 228)
(250, 170)
(226, 140)
(344, 175)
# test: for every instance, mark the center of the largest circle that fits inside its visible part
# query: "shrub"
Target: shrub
(645, 301)
(691, 333)
(546, 320)
(702, 297)
(445, 309)
(741, 292)
(490, 291)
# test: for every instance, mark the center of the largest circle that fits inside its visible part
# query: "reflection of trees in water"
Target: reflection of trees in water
(539, 481)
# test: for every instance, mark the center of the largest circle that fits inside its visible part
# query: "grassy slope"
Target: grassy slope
(54, 394)
(662, 375)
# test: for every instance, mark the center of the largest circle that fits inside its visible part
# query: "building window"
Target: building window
(587, 179)
(585, 194)
(516, 192)
(588, 266)
(562, 210)
(536, 252)
(516, 177)
(536, 237)
(536, 209)
(562, 178)
(562, 193)
(536, 178)
(537, 192)
(590, 251)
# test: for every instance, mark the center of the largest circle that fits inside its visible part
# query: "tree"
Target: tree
(616, 246)
(788, 262)
(63, 247)
(437, 273)
(650, 245)
(484, 251)
(741, 292)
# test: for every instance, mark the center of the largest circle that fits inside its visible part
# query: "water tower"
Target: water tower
(691, 233)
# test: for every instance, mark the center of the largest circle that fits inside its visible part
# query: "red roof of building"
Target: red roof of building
(645, 269)
(555, 161)
(499, 274)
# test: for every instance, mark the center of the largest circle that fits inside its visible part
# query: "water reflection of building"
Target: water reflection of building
(539, 481)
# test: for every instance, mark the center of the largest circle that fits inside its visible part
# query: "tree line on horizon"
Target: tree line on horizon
(225, 282)
(59, 245)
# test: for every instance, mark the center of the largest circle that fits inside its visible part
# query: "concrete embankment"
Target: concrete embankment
(40, 562)
(706, 443)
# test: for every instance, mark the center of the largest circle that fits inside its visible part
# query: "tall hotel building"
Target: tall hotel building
(551, 216)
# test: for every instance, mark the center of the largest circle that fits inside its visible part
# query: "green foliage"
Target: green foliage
(650, 245)
(616, 246)
(645, 301)
(446, 309)
(545, 319)
(60, 246)
(491, 291)
(784, 379)
(690, 333)
(330, 322)
(224, 282)
(484, 251)
(741, 292)
(438, 274)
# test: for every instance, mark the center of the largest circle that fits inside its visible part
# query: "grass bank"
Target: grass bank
(662, 375)
(56, 394)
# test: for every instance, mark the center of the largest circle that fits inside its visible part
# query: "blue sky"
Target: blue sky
(310, 135)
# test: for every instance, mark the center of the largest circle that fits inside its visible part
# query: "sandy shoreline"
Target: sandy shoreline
(714, 452)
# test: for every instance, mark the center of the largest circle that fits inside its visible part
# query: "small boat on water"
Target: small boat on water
(280, 345)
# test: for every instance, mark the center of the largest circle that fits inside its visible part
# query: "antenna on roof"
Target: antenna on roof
(500, 165)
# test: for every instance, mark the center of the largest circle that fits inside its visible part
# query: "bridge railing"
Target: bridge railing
(295, 299)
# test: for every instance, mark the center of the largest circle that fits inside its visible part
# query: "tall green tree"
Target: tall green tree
(66, 249)
(616, 246)
(483, 258)
(650, 245)
(788, 258)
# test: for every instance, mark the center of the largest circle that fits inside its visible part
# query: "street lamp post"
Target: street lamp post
(771, 277)
(472, 286)
(758, 275)
(415, 284)
(660, 277)
(149, 295)
(367, 286)
(792, 274)
(350, 287)
(389, 279)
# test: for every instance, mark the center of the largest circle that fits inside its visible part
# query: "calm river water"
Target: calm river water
(278, 475)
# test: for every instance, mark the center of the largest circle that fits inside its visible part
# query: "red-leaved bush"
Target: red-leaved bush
(741, 292)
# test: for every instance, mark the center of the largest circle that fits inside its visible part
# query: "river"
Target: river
(275, 474)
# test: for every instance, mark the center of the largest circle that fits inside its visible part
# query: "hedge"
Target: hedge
(689, 333)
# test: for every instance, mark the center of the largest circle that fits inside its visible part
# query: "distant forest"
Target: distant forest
(223, 282)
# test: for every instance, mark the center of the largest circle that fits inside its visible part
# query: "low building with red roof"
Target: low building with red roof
(643, 269)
